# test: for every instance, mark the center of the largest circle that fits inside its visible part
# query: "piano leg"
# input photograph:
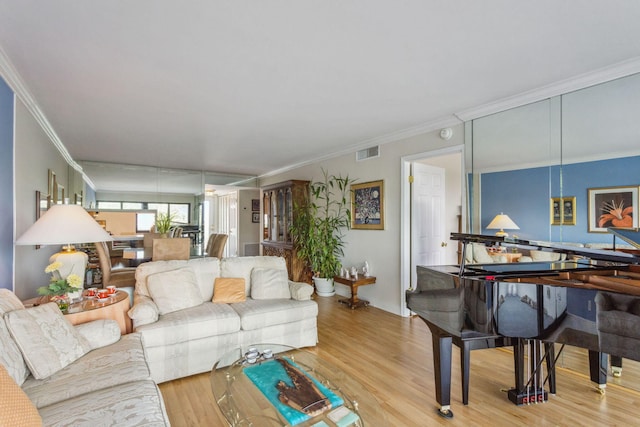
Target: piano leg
(551, 366)
(442, 349)
(598, 366)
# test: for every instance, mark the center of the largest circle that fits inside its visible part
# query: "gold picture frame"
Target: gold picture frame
(563, 210)
(569, 210)
(556, 211)
(43, 203)
(367, 205)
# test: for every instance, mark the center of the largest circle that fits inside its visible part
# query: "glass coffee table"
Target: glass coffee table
(243, 404)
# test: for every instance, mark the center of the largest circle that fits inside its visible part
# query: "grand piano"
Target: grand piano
(589, 299)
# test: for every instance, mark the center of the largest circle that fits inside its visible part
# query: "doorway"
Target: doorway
(432, 208)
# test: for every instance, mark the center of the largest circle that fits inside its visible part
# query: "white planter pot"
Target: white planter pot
(324, 287)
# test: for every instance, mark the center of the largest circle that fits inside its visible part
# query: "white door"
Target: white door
(428, 240)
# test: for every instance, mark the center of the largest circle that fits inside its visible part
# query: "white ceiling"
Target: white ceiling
(251, 87)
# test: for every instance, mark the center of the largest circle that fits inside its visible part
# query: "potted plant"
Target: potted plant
(164, 222)
(59, 288)
(318, 227)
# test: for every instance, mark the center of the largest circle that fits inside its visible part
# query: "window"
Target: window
(144, 221)
(132, 205)
(180, 211)
(109, 205)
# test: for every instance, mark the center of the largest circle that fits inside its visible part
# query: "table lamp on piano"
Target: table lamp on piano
(502, 222)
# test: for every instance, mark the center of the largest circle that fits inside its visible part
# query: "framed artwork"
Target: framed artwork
(556, 212)
(43, 202)
(255, 216)
(612, 207)
(569, 210)
(255, 205)
(77, 198)
(367, 205)
(51, 183)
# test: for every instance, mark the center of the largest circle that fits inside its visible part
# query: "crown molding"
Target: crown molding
(13, 79)
(592, 78)
(406, 133)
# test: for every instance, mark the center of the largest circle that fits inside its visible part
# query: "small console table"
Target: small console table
(354, 302)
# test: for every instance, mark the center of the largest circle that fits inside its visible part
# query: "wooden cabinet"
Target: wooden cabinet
(279, 202)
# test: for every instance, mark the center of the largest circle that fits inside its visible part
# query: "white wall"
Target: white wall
(248, 231)
(381, 248)
(34, 156)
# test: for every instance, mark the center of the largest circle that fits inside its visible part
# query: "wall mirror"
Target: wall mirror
(561, 148)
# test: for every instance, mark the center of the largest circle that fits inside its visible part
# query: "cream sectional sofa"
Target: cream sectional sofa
(85, 375)
(185, 332)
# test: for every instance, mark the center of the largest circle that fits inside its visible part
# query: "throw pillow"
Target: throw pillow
(269, 283)
(174, 290)
(15, 407)
(47, 340)
(229, 290)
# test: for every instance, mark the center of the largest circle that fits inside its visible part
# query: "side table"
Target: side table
(354, 302)
(114, 308)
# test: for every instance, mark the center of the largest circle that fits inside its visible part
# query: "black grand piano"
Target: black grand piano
(589, 299)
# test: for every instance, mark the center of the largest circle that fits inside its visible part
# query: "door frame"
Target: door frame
(405, 213)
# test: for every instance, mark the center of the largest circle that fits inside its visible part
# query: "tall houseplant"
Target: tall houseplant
(164, 222)
(318, 229)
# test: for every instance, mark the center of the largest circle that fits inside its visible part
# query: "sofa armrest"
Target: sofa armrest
(99, 333)
(144, 311)
(300, 291)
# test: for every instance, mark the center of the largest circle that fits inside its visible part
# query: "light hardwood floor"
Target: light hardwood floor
(391, 356)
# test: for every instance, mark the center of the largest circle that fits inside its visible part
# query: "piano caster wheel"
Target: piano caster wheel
(601, 388)
(445, 413)
(617, 372)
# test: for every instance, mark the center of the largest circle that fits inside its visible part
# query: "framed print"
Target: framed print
(612, 207)
(367, 205)
(43, 202)
(569, 210)
(255, 205)
(255, 217)
(556, 212)
(51, 183)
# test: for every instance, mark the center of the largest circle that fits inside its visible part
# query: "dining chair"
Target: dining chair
(169, 249)
(215, 245)
(120, 277)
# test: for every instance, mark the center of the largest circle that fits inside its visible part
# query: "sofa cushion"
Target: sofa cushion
(15, 407)
(144, 311)
(9, 302)
(256, 314)
(242, 267)
(138, 403)
(537, 255)
(174, 290)
(100, 332)
(269, 283)
(205, 320)
(47, 341)
(300, 291)
(10, 356)
(229, 290)
(105, 367)
(205, 269)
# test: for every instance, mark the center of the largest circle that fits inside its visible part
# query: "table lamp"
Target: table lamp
(63, 225)
(502, 222)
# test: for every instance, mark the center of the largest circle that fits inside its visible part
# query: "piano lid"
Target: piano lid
(569, 250)
(629, 235)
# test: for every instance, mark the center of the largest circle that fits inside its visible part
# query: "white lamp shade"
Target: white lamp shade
(64, 224)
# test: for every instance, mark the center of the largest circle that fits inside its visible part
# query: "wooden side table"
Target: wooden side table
(510, 256)
(354, 302)
(114, 308)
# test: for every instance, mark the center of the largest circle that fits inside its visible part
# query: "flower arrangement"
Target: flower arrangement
(164, 222)
(59, 286)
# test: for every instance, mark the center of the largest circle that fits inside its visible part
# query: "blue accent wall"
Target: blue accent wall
(525, 195)
(6, 186)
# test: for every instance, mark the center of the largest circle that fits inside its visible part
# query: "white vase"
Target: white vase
(324, 287)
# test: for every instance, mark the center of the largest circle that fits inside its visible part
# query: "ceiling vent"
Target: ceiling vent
(368, 153)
